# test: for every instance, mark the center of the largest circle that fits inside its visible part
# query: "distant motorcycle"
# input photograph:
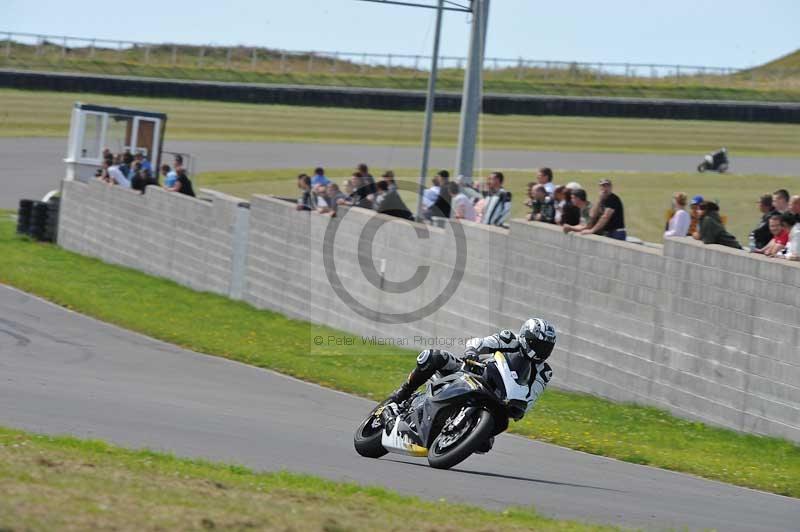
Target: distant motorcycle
(455, 416)
(715, 162)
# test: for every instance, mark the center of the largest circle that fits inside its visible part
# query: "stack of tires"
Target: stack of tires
(38, 219)
(24, 217)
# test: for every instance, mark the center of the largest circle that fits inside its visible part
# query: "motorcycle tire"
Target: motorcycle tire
(722, 168)
(367, 439)
(701, 168)
(473, 440)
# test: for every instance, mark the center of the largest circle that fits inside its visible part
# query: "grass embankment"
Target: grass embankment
(44, 114)
(212, 64)
(69, 484)
(646, 196)
(165, 310)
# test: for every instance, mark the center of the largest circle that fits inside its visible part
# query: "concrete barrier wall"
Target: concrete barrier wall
(405, 100)
(706, 332)
(170, 235)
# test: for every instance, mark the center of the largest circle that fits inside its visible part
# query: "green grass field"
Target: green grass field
(646, 196)
(61, 483)
(213, 64)
(235, 330)
(43, 114)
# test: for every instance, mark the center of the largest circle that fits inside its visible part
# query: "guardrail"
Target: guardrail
(33, 48)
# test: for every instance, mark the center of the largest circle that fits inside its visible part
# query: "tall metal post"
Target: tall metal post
(472, 94)
(429, 101)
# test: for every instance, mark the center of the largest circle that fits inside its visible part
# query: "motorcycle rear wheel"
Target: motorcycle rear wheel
(480, 430)
(702, 168)
(367, 439)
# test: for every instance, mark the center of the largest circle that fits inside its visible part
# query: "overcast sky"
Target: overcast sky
(735, 33)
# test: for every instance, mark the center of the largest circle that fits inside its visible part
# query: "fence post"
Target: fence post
(147, 54)
(174, 55)
(254, 59)
(91, 49)
(678, 72)
(228, 58)
(519, 68)
(64, 48)
(200, 55)
(283, 62)
(8, 46)
(335, 60)
(389, 65)
(310, 61)
(39, 45)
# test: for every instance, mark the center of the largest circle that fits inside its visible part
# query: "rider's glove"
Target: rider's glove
(471, 354)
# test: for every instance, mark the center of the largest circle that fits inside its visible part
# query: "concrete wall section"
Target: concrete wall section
(707, 332)
(170, 235)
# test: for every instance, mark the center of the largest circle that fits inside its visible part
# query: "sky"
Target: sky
(732, 33)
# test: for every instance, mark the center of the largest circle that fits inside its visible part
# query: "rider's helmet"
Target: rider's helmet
(537, 337)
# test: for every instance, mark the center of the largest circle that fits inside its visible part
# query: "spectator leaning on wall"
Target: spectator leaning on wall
(711, 230)
(545, 178)
(611, 222)
(306, 201)
(780, 200)
(678, 224)
(369, 181)
(542, 207)
(319, 177)
(389, 202)
(792, 251)
(779, 229)
(462, 207)
(497, 207)
(694, 214)
(760, 236)
(183, 184)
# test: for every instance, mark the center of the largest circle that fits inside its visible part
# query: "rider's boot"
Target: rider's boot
(415, 379)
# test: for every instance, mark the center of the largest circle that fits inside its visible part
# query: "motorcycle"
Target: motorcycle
(716, 162)
(455, 416)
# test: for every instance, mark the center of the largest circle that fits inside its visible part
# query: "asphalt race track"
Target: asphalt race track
(30, 167)
(63, 373)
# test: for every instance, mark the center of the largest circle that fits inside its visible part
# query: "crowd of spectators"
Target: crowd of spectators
(136, 172)
(777, 233)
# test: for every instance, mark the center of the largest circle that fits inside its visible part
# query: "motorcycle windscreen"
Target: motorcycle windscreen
(515, 370)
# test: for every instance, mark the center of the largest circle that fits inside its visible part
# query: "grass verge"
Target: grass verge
(646, 196)
(165, 310)
(91, 485)
(46, 114)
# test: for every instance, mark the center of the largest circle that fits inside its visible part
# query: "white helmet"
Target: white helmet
(537, 338)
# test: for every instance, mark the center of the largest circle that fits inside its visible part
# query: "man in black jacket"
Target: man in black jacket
(761, 235)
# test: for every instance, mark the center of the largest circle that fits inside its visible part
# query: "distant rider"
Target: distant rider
(535, 340)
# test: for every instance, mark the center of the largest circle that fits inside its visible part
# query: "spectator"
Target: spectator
(307, 200)
(573, 185)
(545, 178)
(780, 200)
(143, 162)
(333, 198)
(319, 178)
(142, 179)
(441, 207)
(711, 230)
(561, 197)
(792, 251)
(369, 181)
(177, 160)
(170, 176)
(760, 236)
(117, 177)
(694, 214)
(389, 202)
(431, 195)
(388, 176)
(779, 229)
(542, 207)
(465, 187)
(571, 213)
(463, 209)
(611, 222)
(361, 196)
(125, 167)
(584, 206)
(678, 224)
(497, 206)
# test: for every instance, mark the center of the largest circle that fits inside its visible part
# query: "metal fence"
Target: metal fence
(30, 50)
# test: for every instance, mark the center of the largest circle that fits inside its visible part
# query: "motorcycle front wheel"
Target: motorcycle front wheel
(452, 447)
(702, 168)
(367, 439)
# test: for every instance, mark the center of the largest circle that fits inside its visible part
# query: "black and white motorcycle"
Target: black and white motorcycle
(715, 162)
(454, 417)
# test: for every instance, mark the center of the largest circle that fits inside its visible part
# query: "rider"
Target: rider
(535, 340)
